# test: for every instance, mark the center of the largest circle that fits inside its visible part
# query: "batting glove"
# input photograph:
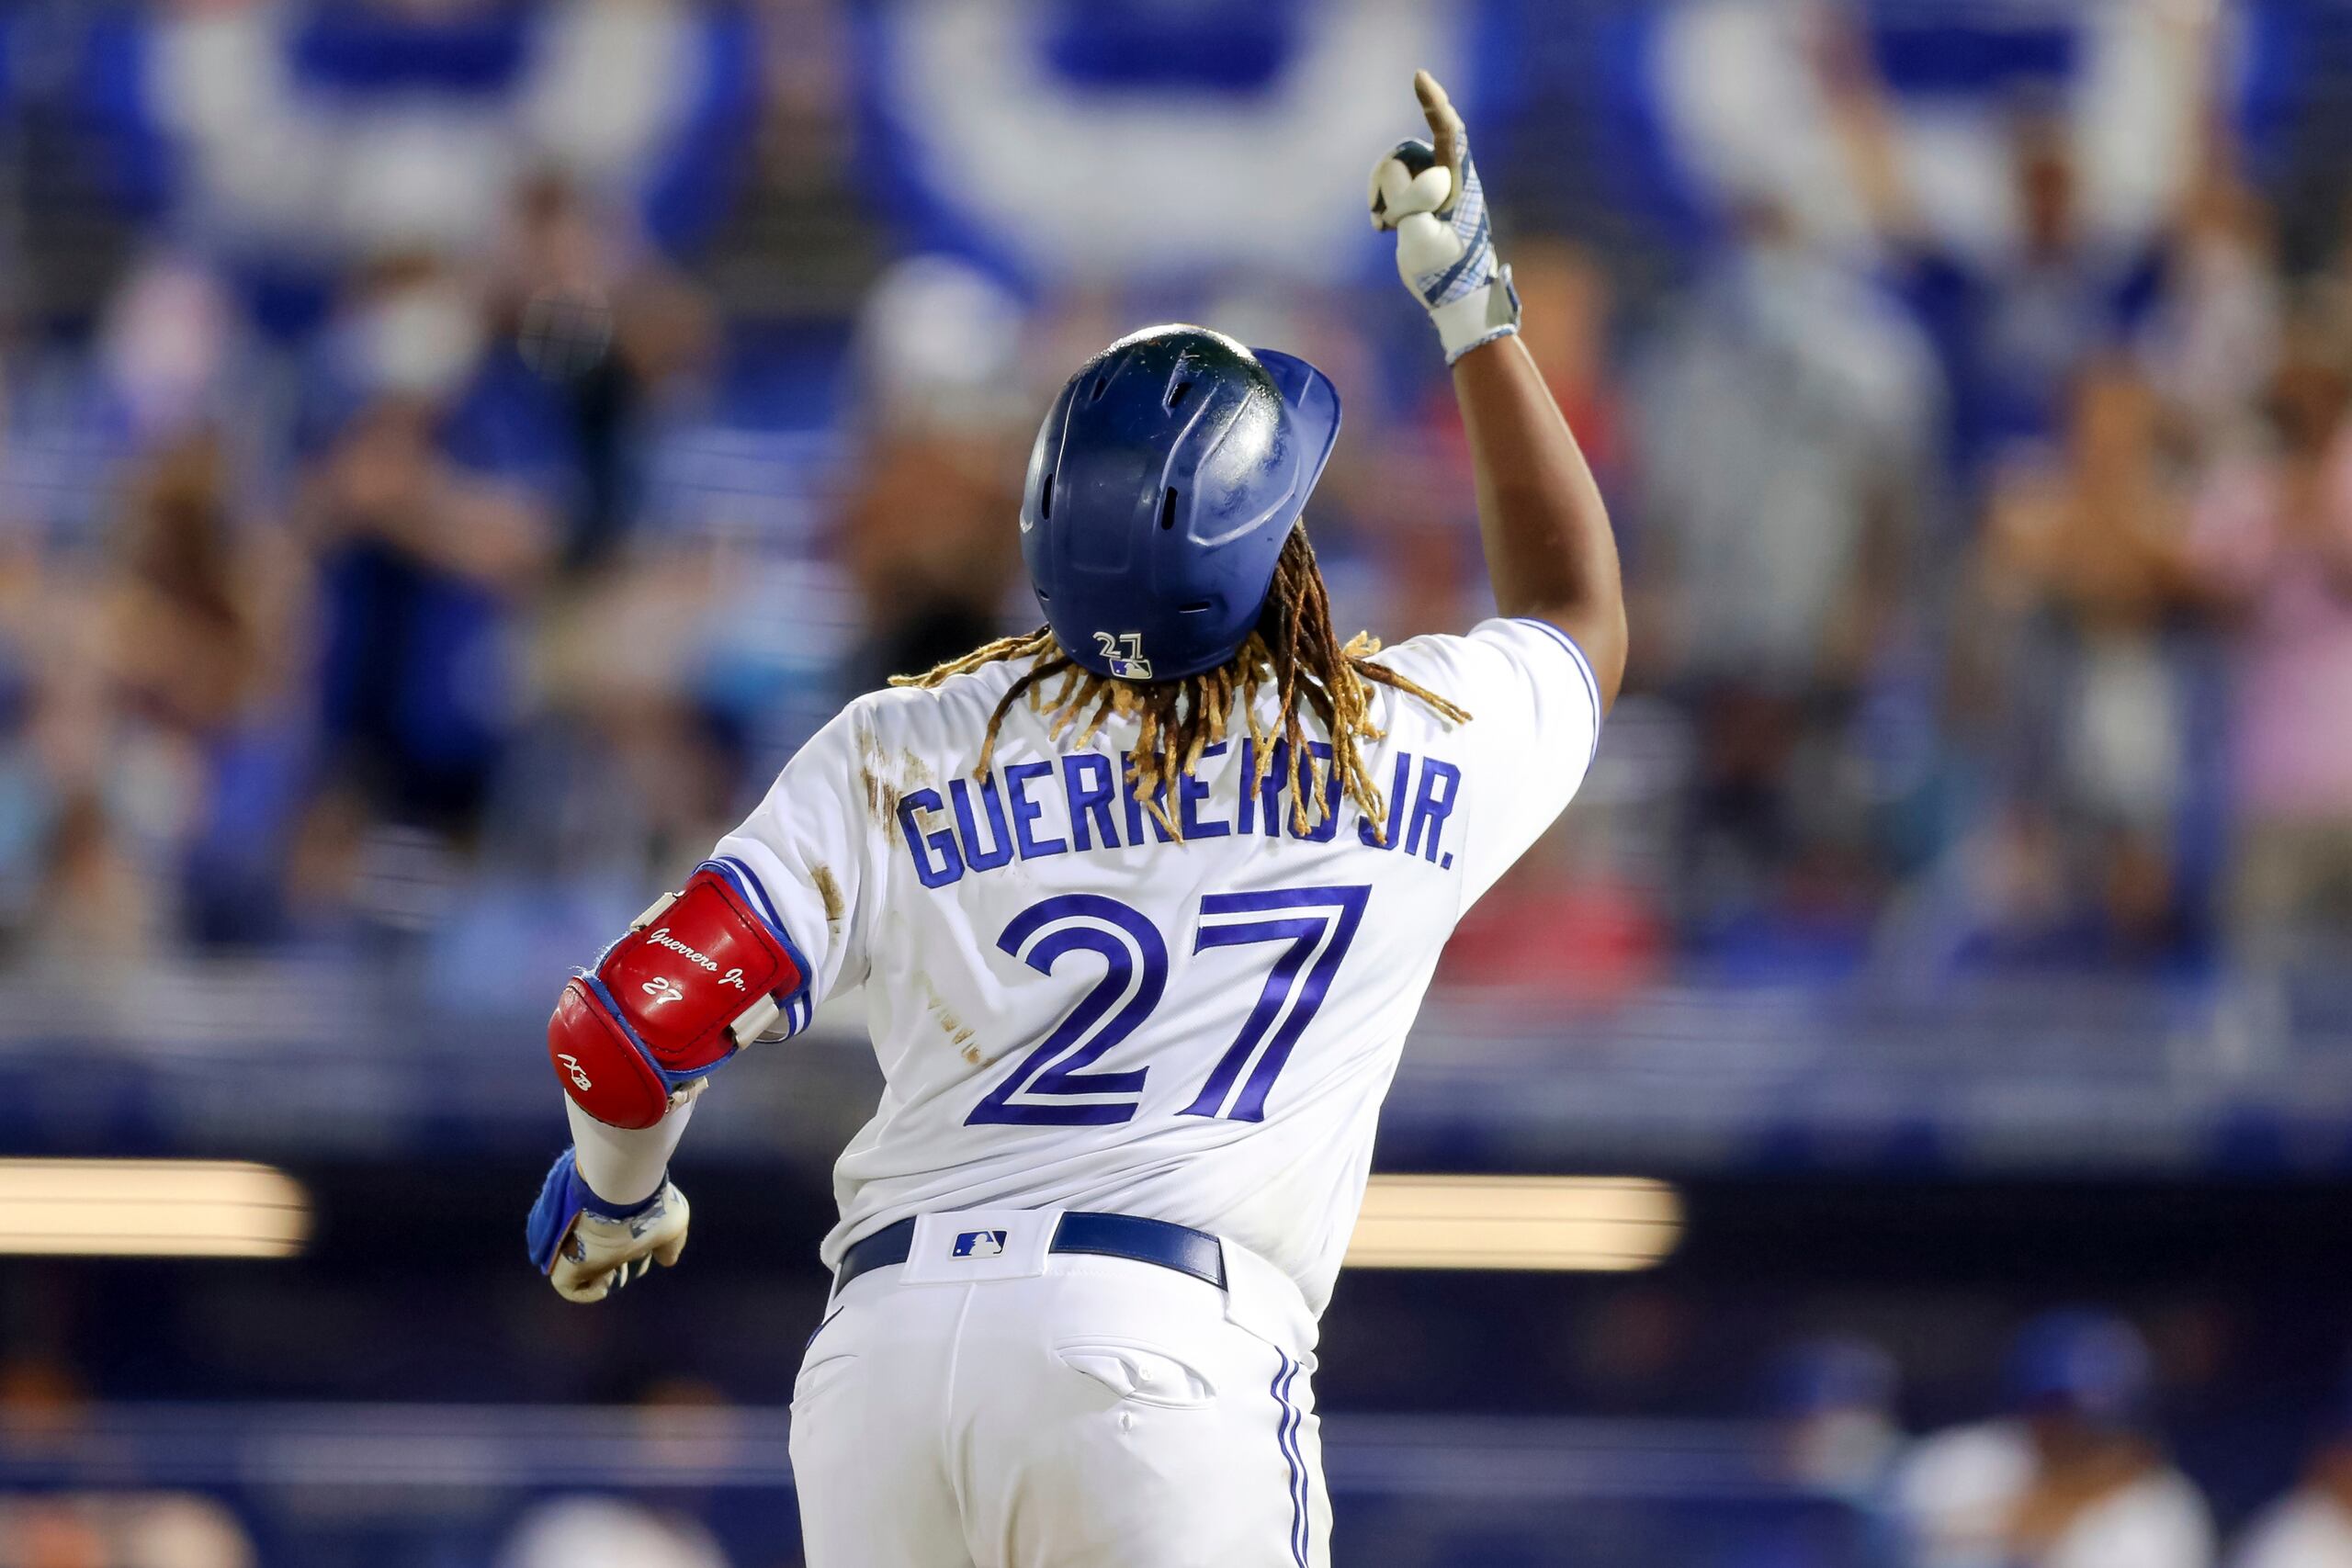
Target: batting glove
(1446, 249)
(588, 1249)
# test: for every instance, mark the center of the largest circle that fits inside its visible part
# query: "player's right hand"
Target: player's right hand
(1431, 196)
(589, 1248)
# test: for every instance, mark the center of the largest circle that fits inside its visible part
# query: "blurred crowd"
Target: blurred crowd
(2063, 1463)
(2069, 1471)
(451, 451)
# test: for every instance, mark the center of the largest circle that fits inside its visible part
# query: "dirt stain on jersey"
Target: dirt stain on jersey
(882, 792)
(829, 888)
(886, 785)
(960, 1035)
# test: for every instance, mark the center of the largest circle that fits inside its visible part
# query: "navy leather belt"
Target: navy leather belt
(1180, 1248)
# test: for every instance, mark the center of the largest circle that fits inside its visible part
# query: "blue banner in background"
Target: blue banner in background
(1079, 143)
(1241, 47)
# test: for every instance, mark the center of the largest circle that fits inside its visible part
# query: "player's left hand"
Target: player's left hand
(1429, 194)
(589, 1248)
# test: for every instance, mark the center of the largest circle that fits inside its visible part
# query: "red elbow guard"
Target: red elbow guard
(700, 975)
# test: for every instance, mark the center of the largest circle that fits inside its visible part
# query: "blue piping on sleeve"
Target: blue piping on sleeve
(1584, 668)
(800, 1007)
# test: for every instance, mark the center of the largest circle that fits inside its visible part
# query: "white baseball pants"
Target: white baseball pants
(1029, 1409)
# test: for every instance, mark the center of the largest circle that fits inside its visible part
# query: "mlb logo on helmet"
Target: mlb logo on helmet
(1123, 655)
(979, 1244)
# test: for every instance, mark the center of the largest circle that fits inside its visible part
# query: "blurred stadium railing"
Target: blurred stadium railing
(2081, 1076)
(353, 1486)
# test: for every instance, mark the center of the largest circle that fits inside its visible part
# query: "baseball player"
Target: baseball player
(1143, 904)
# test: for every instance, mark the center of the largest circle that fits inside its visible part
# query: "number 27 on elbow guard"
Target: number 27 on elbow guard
(668, 1003)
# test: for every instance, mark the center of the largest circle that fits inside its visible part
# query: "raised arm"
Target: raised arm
(1863, 126)
(1549, 551)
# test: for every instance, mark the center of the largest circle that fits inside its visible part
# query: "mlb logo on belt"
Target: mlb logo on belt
(979, 1244)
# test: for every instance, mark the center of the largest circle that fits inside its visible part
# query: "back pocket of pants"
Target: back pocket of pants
(819, 1375)
(1144, 1374)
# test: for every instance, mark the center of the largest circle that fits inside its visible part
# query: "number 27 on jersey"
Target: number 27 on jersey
(1306, 932)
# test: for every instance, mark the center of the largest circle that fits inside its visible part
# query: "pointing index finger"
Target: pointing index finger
(1445, 126)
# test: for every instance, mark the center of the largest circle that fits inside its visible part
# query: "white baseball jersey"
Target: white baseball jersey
(1072, 1011)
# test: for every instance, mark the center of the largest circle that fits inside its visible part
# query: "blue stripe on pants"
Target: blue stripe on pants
(1286, 1437)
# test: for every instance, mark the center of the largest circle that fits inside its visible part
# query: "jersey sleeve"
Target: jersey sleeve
(805, 857)
(1534, 725)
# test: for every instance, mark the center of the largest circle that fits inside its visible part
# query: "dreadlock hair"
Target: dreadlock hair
(1292, 651)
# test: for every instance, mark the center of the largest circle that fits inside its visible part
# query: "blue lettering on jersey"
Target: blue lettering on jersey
(1025, 811)
(976, 857)
(1026, 828)
(1090, 800)
(1189, 793)
(1246, 818)
(1441, 782)
(937, 861)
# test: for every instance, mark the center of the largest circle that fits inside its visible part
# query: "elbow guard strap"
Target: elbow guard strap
(701, 975)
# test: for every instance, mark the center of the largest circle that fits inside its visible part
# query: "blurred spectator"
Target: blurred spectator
(1832, 1404)
(926, 525)
(2214, 337)
(2273, 538)
(431, 506)
(120, 1530)
(2085, 572)
(2311, 1527)
(198, 635)
(2094, 548)
(592, 1532)
(171, 345)
(621, 341)
(2070, 1478)
(797, 241)
(608, 1532)
(416, 555)
(1784, 432)
(40, 1399)
(2011, 322)
(924, 532)
(153, 669)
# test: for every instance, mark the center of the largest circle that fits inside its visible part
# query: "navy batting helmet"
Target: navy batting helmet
(1163, 485)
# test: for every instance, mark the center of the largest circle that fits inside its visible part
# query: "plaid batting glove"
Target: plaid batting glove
(1445, 250)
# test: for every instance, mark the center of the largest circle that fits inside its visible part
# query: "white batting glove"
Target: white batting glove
(587, 1250)
(601, 1254)
(1446, 249)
